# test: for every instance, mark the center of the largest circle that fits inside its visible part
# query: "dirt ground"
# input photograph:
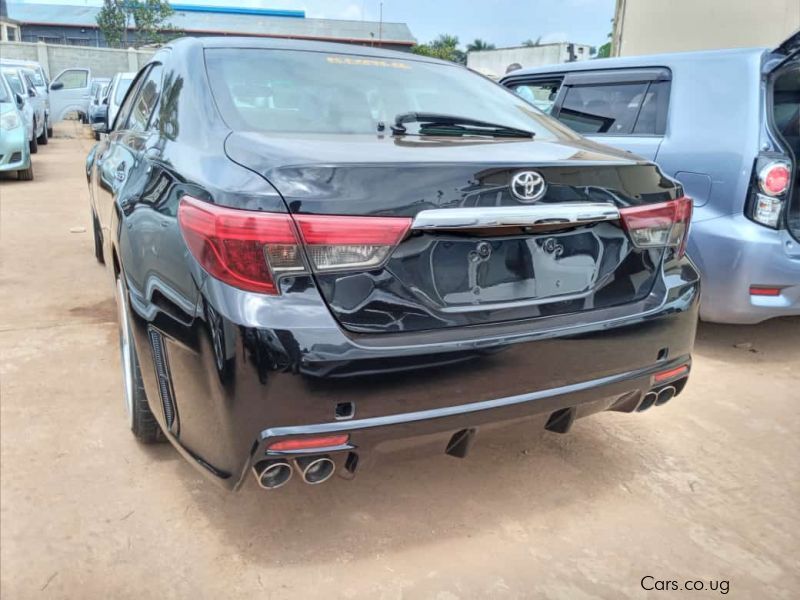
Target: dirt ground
(705, 488)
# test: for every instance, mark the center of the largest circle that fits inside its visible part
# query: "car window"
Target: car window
(610, 109)
(122, 115)
(122, 88)
(74, 79)
(12, 77)
(145, 100)
(5, 93)
(542, 94)
(300, 91)
(29, 82)
(35, 78)
(652, 118)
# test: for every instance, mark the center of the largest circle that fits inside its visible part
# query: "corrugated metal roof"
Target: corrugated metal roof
(225, 23)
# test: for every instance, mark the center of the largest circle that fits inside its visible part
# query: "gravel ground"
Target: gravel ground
(705, 488)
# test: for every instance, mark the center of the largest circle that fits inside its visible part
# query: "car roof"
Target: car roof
(307, 45)
(647, 60)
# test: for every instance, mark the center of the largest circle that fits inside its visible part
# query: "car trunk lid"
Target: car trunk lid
(481, 242)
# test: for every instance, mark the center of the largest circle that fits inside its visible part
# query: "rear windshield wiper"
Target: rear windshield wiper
(438, 124)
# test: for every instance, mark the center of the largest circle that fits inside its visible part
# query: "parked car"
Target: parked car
(98, 109)
(14, 141)
(118, 87)
(726, 124)
(70, 92)
(40, 82)
(33, 110)
(327, 266)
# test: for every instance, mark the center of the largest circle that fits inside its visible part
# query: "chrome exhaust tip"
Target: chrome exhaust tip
(650, 398)
(315, 469)
(666, 394)
(272, 474)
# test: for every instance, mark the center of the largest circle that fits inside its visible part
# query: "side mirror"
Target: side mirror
(31, 92)
(20, 101)
(105, 100)
(56, 85)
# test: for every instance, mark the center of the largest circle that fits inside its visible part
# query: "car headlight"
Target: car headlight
(10, 120)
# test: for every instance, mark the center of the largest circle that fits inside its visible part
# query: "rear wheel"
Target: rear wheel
(141, 421)
(26, 174)
(49, 129)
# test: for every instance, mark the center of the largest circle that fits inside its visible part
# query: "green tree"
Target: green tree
(111, 21)
(445, 47)
(604, 51)
(147, 18)
(529, 43)
(150, 19)
(479, 45)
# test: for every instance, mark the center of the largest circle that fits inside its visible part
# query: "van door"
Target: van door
(70, 92)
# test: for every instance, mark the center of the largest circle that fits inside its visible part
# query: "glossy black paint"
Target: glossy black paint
(248, 369)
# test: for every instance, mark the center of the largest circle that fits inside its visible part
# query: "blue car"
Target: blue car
(726, 124)
(15, 153)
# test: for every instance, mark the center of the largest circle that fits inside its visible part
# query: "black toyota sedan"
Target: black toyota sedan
(323, 252)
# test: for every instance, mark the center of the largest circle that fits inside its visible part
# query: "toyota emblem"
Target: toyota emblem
(528, 186)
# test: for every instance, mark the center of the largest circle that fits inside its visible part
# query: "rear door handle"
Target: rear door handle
(493, 217)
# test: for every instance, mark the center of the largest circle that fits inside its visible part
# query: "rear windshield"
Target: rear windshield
(122, 89)
(317, 92)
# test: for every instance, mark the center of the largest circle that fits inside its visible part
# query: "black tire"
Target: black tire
(26, 174)
(49, 130)
(43, 139)
(98, 241)
(97, 136)
(34, 144)
(143, 424)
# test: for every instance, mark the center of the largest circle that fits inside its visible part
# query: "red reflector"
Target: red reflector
(774, 178)
(659, 225)
(333, 230)
(764, 291)
(671, 373)
(232, 244)
(310, 443)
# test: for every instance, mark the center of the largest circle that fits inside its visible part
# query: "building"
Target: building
(9, 29)
(650, 27)
(494, 63)
(77, 25)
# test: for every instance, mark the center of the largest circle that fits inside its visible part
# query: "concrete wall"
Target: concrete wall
(494, 62)
(654, 26)
(104, 62)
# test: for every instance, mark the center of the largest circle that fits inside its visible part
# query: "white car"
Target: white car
(32, 111)
(40, 82)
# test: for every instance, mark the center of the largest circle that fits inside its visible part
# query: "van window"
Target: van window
(610, 109)
(74, 79)
(542, 94)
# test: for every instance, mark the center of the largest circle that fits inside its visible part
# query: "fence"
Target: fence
(103, 62)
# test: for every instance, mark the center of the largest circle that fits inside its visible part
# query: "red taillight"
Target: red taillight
(760, 290)
(774, 178)
(670, 374)
(310, 443)
(234, 245)
(659, 225)
(248, 249)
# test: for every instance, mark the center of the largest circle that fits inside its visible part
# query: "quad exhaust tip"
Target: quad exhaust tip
(315, 469)
(650, 398)
(272, 474)
(666, 394)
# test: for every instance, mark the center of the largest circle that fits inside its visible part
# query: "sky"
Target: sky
(501, 22)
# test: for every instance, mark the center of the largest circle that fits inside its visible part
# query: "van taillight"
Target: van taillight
(659, 225)
(772, 178)
(250, 249)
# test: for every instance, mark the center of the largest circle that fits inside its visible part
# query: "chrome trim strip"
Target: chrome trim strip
(576, 213)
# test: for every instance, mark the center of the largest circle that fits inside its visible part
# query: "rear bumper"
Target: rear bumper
(250, 370)
(734, 253)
